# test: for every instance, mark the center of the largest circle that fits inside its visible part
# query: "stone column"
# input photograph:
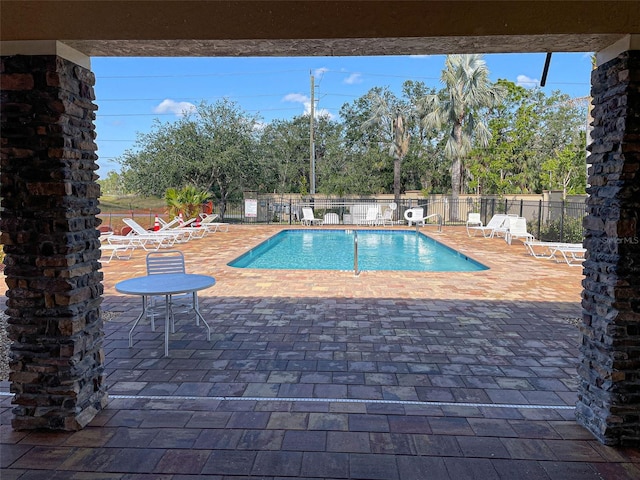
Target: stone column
(609, 364)
(51, 242)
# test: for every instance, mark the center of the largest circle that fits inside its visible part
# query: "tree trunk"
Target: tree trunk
(397, 162)
(456, 173)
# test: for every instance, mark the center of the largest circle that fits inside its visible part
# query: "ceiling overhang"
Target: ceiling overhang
(311, 27)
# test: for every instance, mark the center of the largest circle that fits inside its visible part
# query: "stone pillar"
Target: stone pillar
(51, 242)
(609, 364)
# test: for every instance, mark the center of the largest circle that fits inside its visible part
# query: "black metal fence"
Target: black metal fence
(547, 220)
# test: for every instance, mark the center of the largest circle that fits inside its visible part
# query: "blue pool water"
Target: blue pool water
(377, 250)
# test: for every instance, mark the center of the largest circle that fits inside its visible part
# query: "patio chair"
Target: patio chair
(188, 229)
(473, 220)
(547, 250)
(573, 255)
(164, 225)
(331, 219)
(308, 217)
(146, 242)
(490, 229)
(164, 238)
(373, 216)
(121, 252)
(517, 229)
(169, 261)
(387, 215)
(208, 222)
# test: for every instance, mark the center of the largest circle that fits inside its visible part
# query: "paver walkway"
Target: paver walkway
(390, 375)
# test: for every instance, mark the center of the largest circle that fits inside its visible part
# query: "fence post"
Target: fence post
(290, 211)
(506, 206)
(521, 207)
(539, 218)
(562, 223)
(483, 209)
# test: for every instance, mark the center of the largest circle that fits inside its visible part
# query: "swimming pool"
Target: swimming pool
(377, 250)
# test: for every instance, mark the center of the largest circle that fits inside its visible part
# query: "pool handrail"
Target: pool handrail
(356, 272)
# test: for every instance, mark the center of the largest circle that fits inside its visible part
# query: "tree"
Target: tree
(284, 149)
(112, 184)
(391, 116)
(567, 170)
(212, 149)
(508, 163)
(467, 91)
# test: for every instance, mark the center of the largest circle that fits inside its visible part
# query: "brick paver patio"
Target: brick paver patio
(310, 374)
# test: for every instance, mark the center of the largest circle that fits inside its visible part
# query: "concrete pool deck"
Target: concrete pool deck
(311, 374)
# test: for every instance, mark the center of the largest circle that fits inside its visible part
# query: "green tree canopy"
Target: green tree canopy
(213, 148)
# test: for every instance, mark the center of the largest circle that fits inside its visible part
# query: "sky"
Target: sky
(132, 92)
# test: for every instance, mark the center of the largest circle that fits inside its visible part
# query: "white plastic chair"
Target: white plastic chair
(373, 216)
(518, 229)
(308, 218)
(473, 220)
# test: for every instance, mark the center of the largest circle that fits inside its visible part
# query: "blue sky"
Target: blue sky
(132, 92)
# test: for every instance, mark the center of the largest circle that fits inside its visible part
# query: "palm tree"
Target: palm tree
(467, 90)
(186, 201)
(392, 118)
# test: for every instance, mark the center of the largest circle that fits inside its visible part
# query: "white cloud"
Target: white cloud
(324, 113)
(178, 108)
(527, 82)
(306, 102)
(319, 72)
(299, 98)
(353, 78)
(418, 56)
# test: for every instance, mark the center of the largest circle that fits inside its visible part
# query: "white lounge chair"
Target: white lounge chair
(164, 237)
(518, 229)
(164, 225)
(134, 241)
(121, 252)
(502, 230)
(547, 250)
(208, 222)
(188, 228)
(573, 255)
(473, 220)
(490, 228)
(308, 218)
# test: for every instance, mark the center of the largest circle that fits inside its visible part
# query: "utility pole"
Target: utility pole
(312, 143)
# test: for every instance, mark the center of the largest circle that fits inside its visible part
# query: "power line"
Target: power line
(187, 98)
(178, 114)
(198, 75)
(275, 72)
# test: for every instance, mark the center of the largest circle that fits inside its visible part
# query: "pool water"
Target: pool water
(377, 250)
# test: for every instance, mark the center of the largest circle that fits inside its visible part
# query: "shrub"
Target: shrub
(568, 230)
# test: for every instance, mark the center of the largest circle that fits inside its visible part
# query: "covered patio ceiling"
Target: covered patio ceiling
(291, 28)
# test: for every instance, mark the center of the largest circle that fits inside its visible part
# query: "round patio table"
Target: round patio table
(166, 284)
